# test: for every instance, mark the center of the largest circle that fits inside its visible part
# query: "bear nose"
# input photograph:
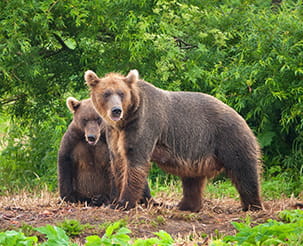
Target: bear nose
(91, 138)
(116, 111)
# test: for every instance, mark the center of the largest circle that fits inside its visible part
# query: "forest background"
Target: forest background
(249, 54)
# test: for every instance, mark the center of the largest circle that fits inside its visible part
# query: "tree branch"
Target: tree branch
(9, 100)
(184, 45)
(59, 39)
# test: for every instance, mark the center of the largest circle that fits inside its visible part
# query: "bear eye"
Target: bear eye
(106, 94)
(84, 121)
(120, 94)
(99, 120)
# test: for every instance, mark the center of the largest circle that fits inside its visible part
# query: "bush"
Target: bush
(246, 53)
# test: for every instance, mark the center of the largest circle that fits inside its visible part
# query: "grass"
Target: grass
(271, 188)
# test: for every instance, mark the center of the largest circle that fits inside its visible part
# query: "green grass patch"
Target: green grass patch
(271, 187)
(282, 185)
(221, 189)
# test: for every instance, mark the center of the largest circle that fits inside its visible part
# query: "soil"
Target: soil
(212, 221)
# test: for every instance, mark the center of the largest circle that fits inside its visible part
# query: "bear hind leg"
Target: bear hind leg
(192, 193)
(246, 181)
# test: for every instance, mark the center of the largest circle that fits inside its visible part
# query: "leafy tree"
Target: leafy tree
(245, 53)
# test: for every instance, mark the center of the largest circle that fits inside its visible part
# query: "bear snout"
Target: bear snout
(91, 139)
(116, 113)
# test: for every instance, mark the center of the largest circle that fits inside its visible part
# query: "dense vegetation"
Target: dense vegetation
(288, 232)
(246, 53)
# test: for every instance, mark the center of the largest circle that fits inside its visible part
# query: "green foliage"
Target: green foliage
(14, 238)
(245, 53)
(292, 216)
(55, 236)
(73, 227)
(270, 233)
(115, 234)
(163, 239)
(27, 229)
(31, 154)
(282, 183)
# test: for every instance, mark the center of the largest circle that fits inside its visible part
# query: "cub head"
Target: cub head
(113, 95)
(86, 119)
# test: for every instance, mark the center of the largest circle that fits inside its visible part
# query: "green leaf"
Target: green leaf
(14, 238)
(55, 236)
(71, 43)
(147, 242)
(93, 241)
(166, 239)
(266, 138)
(112, 228)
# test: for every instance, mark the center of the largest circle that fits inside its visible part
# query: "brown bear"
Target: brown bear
(84, 168)
(189, 134)
(83, 162)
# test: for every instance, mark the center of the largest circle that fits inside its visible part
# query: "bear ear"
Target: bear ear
(91, 78)
(133, 76)
(72, 104)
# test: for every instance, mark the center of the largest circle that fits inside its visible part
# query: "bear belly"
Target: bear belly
(207, 166)
(87, 182)
(91, 175)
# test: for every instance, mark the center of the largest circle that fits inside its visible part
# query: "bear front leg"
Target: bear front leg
(130, 156)
(146, 196)
(65, 177)
(192, 193)
(132, 187)
(66, 167)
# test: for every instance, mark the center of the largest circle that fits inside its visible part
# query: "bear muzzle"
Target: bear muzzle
(116, 113)
(91, 139)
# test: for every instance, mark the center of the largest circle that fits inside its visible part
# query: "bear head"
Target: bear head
(114, 95)
(86, 119)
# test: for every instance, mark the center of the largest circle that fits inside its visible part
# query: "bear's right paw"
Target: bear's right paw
(189, 206)
(122, 205)
(72, 197)
(99, 200)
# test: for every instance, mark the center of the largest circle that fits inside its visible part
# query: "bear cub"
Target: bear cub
(83, 161)
(84, 170)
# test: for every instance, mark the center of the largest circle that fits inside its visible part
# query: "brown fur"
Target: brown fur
(192, 135)
(84, 168)
(84, 165)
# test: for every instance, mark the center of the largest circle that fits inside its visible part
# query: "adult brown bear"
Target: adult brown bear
(192, 135)
(84, 171)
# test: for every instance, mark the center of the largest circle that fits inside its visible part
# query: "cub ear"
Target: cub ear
(72, 104)
(132, 77)
(91, 78)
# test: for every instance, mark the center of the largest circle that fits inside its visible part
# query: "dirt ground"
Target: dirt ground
(212, 221)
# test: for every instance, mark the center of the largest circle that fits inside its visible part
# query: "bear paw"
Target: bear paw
(122, 205)
(189, 206)
(99, 200)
